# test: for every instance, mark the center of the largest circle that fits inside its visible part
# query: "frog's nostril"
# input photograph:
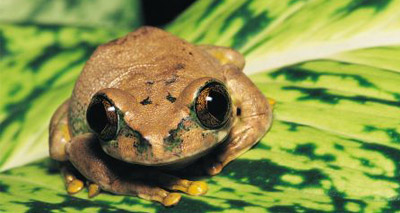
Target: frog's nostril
(238, 111)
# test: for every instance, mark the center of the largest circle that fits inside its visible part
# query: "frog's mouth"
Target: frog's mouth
(171, 163)
(179, 163)
(178, 153)
(146, 153)
(182, 162)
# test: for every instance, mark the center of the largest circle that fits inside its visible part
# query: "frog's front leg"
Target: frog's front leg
(112, 175)
(253, 119)
(253, 111)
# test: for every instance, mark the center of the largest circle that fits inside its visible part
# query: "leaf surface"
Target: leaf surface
(332, 66)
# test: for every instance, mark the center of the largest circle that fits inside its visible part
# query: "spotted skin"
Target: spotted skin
(158, 126)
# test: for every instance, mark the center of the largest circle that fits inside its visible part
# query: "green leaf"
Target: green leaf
(275, 34)
(38, 69)
(88, 13)
(332, 66)
(250, 184)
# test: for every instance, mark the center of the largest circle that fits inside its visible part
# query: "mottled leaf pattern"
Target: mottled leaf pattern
(38, 68)
(274, 34)
(88, 13)
(332, 66)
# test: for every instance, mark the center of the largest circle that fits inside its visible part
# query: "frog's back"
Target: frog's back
(142, 62)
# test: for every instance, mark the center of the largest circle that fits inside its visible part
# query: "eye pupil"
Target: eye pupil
(97, 116)
(213, 105)
(217, 105)
(102, 117)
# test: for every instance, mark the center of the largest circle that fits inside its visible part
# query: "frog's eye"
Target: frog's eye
(213, 105)
(102, 117)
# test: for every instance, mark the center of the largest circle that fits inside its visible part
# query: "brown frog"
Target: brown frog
(149, 103)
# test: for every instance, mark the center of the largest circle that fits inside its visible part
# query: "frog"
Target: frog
(148, 104)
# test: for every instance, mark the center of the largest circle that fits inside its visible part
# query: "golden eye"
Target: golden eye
(213, 105)
(102, 117)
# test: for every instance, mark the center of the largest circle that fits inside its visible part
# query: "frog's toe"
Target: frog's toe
(214, 169)
(74, 186)
(197, 188)
(187, 186)
(190, 187)
(212, 166)
(160, 195)
(93, 190)
(171, 199)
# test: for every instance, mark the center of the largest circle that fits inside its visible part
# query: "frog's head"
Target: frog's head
(161, 129)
